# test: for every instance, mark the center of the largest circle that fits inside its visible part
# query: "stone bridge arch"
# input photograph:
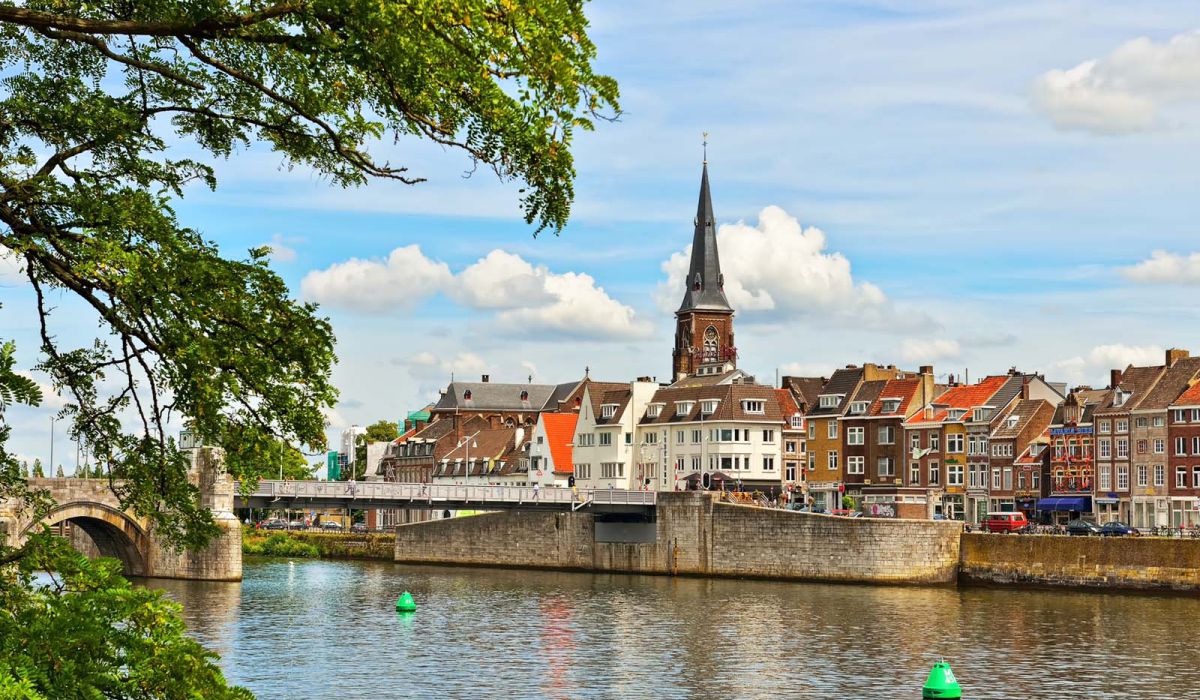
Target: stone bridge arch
(114, 533)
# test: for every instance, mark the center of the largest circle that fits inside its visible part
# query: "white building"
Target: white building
(603, 452)
(550, 449)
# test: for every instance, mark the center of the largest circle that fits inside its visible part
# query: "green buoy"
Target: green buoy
(941, 683)
(405, 604)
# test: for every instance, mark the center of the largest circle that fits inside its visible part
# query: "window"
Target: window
(1195, 414)
(1160, 446)
(1196, 445)
(855, 465)
(679, 436)
(583, 471)
(708, 407)
(768, 464)
(935, 474)
(1143, 475)
(857, 408)
(612, 470)
(1122, 477)
(585, 440)
(1007, 478)
(1159, 421)
(541, 440)
(753, 406)
(887, 435)
(651, 438)
(886, 467)
(1036, 480)
(1105, 448)
(1105, 476)
(956, 414)
(1178, 415)
(653, 410)
(812, 461)
(1180, 477)
(697, 465)
(1002, 449)
(914, 472)
(829, 400)
(789, 471)
(954, 475)
(996, 478)
(768, 436)
(1122, 448)
(831, 431)
(1180, 446)
(1142, 422)
(854, 436)
(914, 440)
(812, 431)
(1141, 447)
(1021, 480)
(1105, 426)
(628, 438)
(1123, 425)
(1160, 475)
(797, 422)
(935, 441)
(683, 408)
(607, 410)
(696, 434)
(790, 446)
(605, 439)
(1196, 477)
(890, 405)
(831, 460)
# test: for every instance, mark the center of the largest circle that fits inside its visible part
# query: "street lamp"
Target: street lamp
(469, 441)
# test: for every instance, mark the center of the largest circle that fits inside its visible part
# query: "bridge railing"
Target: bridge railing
(447, 493)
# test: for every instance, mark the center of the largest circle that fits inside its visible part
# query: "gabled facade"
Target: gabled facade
(885, 493)
(1183, 441)
(603, 450)
(1114, 440)
(487, 457)
(1018, 425)
(550, 447)
(794, 444)
(1149, 499)
(1070, 479)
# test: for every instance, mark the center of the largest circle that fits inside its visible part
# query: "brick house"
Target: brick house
(1113, 434)
(885, 492)
(1070, 478)
(793, 444)
(1149, 498)
(1019, 424)
(1183, 439)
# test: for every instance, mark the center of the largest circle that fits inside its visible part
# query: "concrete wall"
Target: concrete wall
(695, 536)
(1100, 562)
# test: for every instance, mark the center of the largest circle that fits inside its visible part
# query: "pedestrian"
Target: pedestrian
(574, 493)
(536, 487)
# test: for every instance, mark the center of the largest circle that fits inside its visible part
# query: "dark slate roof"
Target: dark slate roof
(843, 381)
(867, 391)
(1091, 399)
(1135, 381)
(729, 408)
(733, 375)
(1025, 410)
(1174, 382)
(489, 396)
(600, 393)
(705, 284)
(805, 389)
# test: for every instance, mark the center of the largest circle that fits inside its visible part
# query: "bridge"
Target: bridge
(100, 526)
(369, 495)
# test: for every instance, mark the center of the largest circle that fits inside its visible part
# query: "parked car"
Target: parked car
(358, 527)
(330, 525)
(297, 525)
(1118, 529)
(1005, 522)
(1083, 527)
(275, 525)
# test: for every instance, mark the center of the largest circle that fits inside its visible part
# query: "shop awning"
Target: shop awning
(1082, 504)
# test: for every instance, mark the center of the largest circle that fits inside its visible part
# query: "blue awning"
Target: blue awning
(1081, 504)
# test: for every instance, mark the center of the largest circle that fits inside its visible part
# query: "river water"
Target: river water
(328, 629)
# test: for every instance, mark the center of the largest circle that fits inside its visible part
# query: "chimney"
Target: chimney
(485, 379)
(1114, 378)
(1175, 355)
(1024, 387)
(926, 369)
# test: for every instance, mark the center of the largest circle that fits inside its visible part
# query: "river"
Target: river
(328, 629)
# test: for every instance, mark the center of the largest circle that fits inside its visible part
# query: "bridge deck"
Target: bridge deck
(387, 494)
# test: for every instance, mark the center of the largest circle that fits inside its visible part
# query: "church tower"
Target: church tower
(704, 321)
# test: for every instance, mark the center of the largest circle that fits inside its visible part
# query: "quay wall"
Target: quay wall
(693, 535)
(1147, 563)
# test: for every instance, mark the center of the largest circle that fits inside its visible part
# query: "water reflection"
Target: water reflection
(329, 630)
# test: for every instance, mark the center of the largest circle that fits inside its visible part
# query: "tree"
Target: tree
(267, 460)
(95, 97)
(379, 431)
(24, 469)
(37, 469)
(58, 473)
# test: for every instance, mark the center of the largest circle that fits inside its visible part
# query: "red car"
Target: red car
(1005, 522)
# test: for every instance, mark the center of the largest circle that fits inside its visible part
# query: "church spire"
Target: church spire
(705, 284)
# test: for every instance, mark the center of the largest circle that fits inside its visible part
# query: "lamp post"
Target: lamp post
(51, 465)
(467, 455)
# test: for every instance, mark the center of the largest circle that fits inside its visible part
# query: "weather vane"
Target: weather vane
(705, 142)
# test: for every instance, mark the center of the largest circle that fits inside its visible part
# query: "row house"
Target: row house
(1070, 474)
(550, 449)
(1183, 437)
(936, 438)
(1029, 470)
(603, 449)
(728, 436)
(886, 491)
(1149, 495)
(794, 443)
(488, 457)
(823, 421)
(1022, 422)
(1113, 440)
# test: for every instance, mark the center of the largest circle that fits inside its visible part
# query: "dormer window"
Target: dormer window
(708, 407)
(957, 414)
(696, 282)
(981, 414)
(467, 395)
(683, 408)
(891, 405)
(1012, 421)
(1119, 397)
(857, 408)
(524, 395)
(753, 406)
(797, 421)
(608, 410)
(654, 410)
(830, 400)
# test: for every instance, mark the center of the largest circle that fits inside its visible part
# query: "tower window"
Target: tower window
(696, 283)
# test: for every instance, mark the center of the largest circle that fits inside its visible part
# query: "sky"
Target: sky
(971, 185)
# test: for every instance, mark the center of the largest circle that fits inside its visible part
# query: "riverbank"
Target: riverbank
(319, 545)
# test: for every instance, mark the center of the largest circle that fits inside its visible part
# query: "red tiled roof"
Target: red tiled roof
(787, 402)
(400, 440)
(560, 433)
(966, 397)
(902, 389)
(1191, 397)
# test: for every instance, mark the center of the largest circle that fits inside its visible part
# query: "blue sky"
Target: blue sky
(977, 185)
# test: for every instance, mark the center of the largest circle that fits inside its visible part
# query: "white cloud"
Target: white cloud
(528, 298)
(399, 282)
(928, 349)
(426, 365)
(1105, 357)
(1166, 268)
(12, 272)
(1124, 91)
(280, 250)
(780, 266)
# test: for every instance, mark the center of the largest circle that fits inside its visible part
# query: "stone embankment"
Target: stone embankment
(1148, 563)
(326, 545)
(692, 535)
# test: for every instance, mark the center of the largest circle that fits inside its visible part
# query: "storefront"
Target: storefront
(977, 507)
(954, 504)
(824, 495)
(1027, 505)
(1108, 508)
(1059, 510)
(1185, 511)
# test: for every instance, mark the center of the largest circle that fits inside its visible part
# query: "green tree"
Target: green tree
(379, 431)
(257, 459)
(37, 469)
(58, 473)
(96, 100)
(24, 469)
